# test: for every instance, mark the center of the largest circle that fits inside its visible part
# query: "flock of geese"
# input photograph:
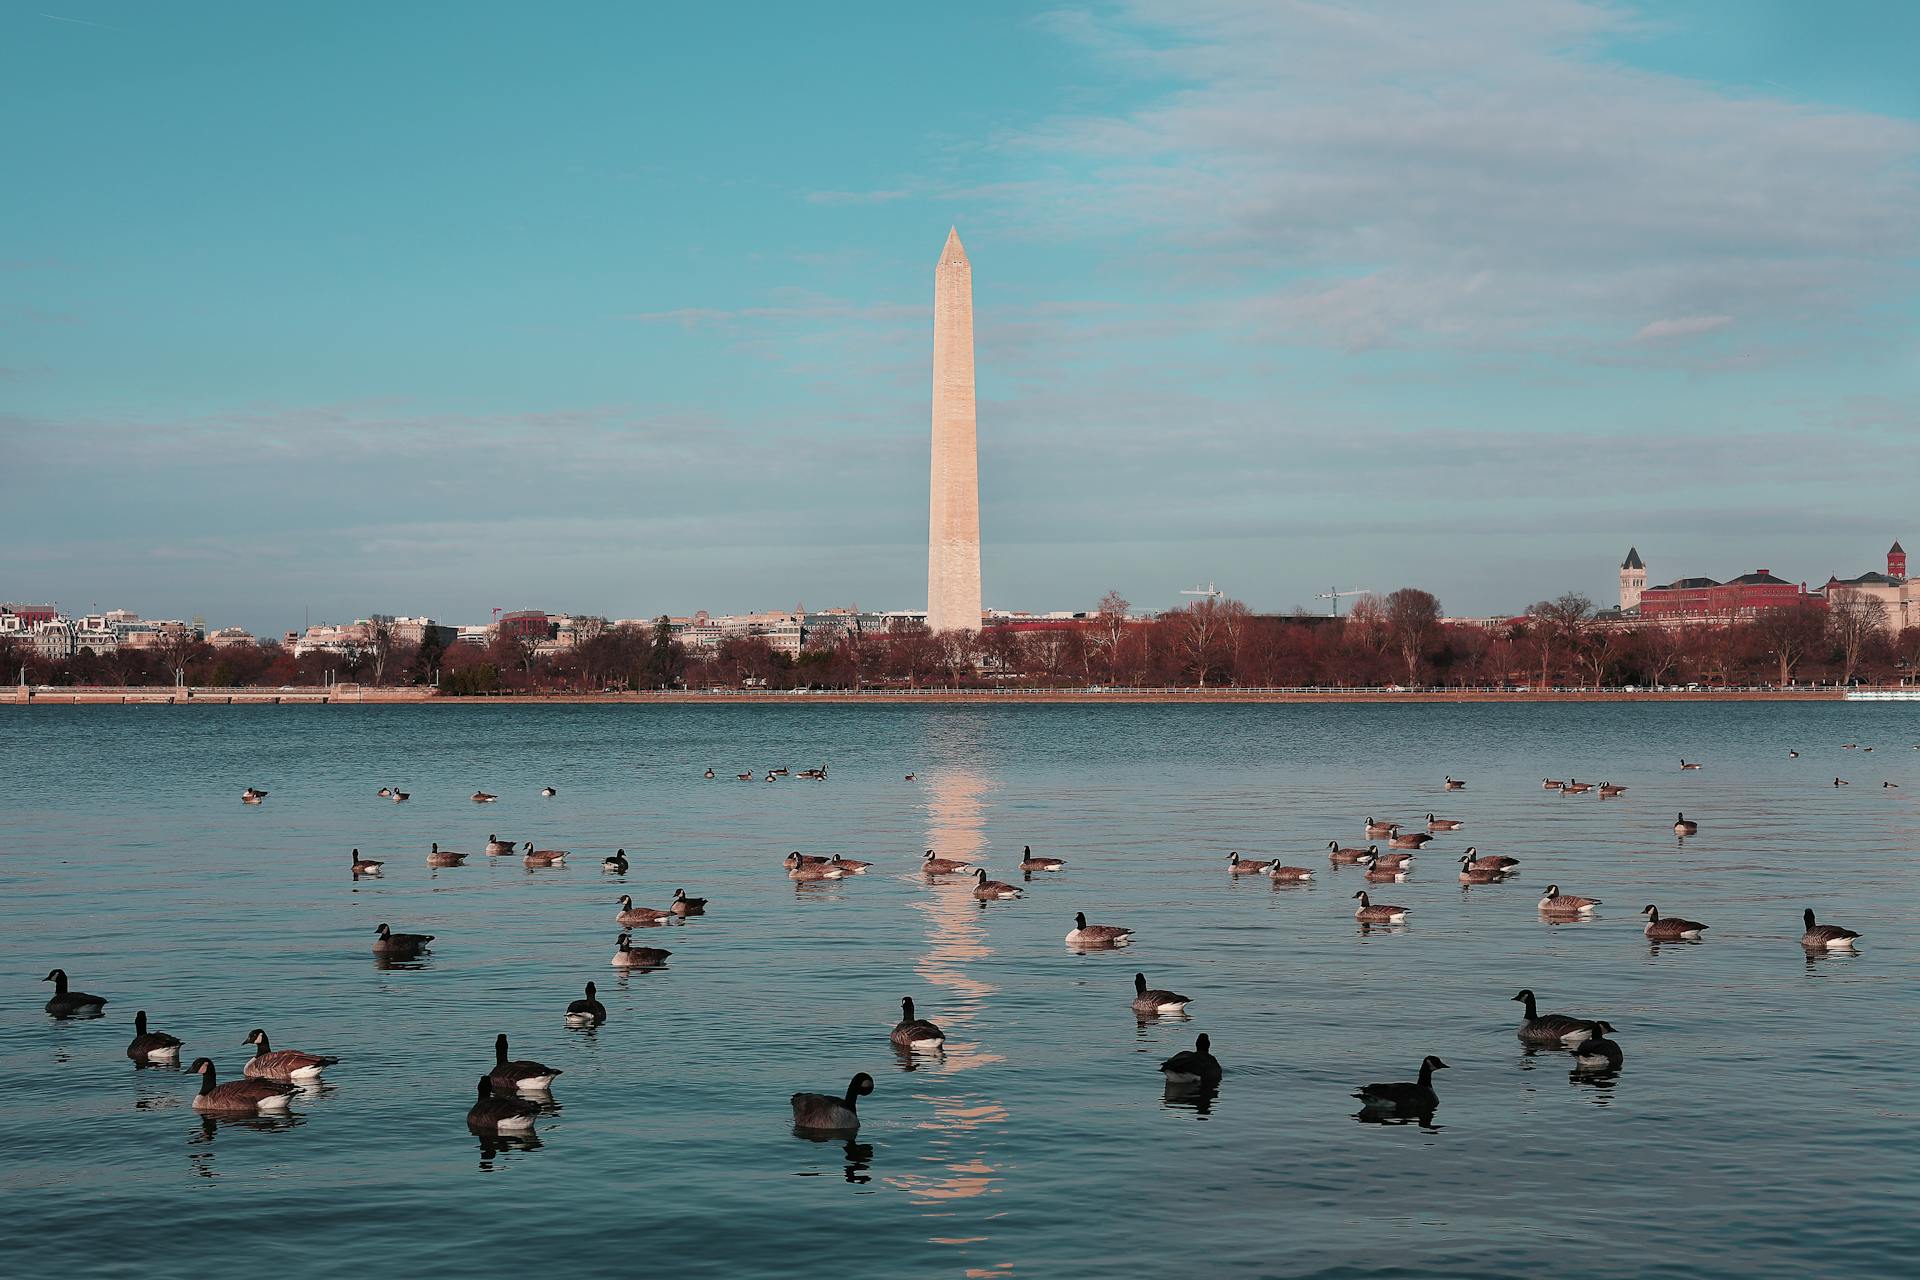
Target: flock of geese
(507, 1097)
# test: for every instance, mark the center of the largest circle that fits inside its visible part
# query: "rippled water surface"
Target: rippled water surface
(1765, 1121)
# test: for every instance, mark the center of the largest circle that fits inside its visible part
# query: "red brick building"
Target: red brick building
(1705, 600)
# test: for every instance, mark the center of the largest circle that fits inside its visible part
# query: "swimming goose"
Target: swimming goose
(1670, 928)
(1097, 935)
(252, 795)
(1491, 861)
(1555, 903)
(65, 1003)
(543, 857)
(616, 864)
(709, 774)
(781, 772)
(745, 777)
(527, 1077)
(1830, 937)
(1849, 746)
(1195, 1066)
(1608, 791)
(1405, 1096)
(985, 889)
(401, 797)
(438, 857)
(1381, 874)
(1793, 755)
(1841, 782)
(1550, 1028)
(1381, 828)
(1412, 840)
(497, 848)
(386, 793)
(484, 797)
(493, 1113)
(933, 866)
(400, 945)
(1574, 788)
(632, 915)
(1472, 874)
(1455, 784)
(1371, 913)
(1239, 866)
(1147, 1001)
(1550, 784)
(1337, 854)
(628, 956)
(1596, 1052)
(797, 858)
(288, 1065)
(1288, 875)
(915, 1033)
(910, 778)
(685, 906)
(1894, 785)
(821, 1111)
(814, 871)
(1443, 824)
(852, 866)
(1399, 861)
(1682, 826)
(1029, 863)
(587, 1011)
(151, 1046)
(365, 866)
(1685, 765)
(548, 793)
(239, 1097)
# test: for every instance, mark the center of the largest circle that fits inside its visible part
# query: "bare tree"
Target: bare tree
(380, 644)
(1600, 651)
(1366, 623)
(1790, 632)
(175, 650)
(1111, 628)
(1853, 619)
(1413, 620)
(1200, 631)
(1662, 648)
(1561, 623)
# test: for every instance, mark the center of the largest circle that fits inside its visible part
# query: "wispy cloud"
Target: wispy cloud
(1681, 327)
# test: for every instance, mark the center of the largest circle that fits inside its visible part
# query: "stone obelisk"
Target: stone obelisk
(953, 515)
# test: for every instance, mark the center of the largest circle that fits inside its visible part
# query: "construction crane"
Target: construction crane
(1208, 592)
(1334, 594)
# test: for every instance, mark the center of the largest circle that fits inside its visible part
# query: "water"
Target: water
(1765, 1122)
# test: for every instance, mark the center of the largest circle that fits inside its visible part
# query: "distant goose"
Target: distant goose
(1550, 1028)
(1608, 791)
(1551, 784)
(628, 956)
(1849, 746)
(985, 889)
(814, 871)
(252, 795)
(1574, 788)
(1455, 784)
(1195, 1066)
(709, 774)
(1031, 863)
(548, 793)
(1150, 1001)
(1866, 748)
(386, 793)
(439, 857)
(1443, 824)
(1670, 928)
(1682, 825)
(1239, 866)
(933, 866)
(239, 1097)
(1555, 903)
(1829, 937)
(1491, 861)
(772, 776)
(151, 1046)
(1470, 873)
(484, 797)
(401, 797)
(1381, 828)
(1596, 1052)
(1685, 764)
(1349, 854)
(365, 866)
(1793, 755)
(852, 866)
(1841, 782)
(910, 777)
(915, 1033)
(498, 848)
(616, 864)
(1403, 861)
(1097, 935)
(1413, 1097)
(288, 1065)
(401, 945)
(587, 1011)
(526, 1076)
(1371, 913)
(1381, 874)
(685, 906)
(825, 1113)
(745, 777)
(1894, 785)
(65, 1003)
(1411, 840)
(632, 915)
(543, 857)
(1288, 875)
(797, 858)
(495, 1113)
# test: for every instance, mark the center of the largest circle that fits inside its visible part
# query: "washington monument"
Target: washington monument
(953, 514)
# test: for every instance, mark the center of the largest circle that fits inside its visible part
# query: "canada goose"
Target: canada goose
(1405, 1096)
(548, 793)
(1555, 903)
(933, 866)
(1097, 935)
(1829, 937)
(616, 864)
(824, 1112)
(852, 866)
(1608, 791)
(65, 1003)
(1381, 828)
(709, 775)
(1550, 1028)
(1893, 785)
(685, 906)
(587, 1011)
(1841, 782)
(1412, 840)
(252, 795)
(1455, 784)
(745, 777)
(1147, 1001)
(1793, 755)
(401, 797)
(239, 1097)
(797, 858)
(400, 945)
(1866, 748)
(543, 857)
(910, 778)
(1370, 913)
(1684, 764)
(365, 866)
(438, 857)
(151, 1046)
(915, 1033)
(1288, 875)
(484, 797)
(1029, 863)
(1472, 874)
(1682, 826)
(386, 793)
(1379, 874)
(781, 772)
(1596, 1052)
(1337, 854)
(1670, 928)
(771, 776)
(1551, 784)
(1849, 746)
(1239, 866)
(494, 1113)
(1491, 861)
(628, 956)
(1443, 824)
(497, 848)
(814, 871)
(985, 889)
(1400, 861)
(1576, 788)
(527, 1077)
(631, 915)
(1195, 1066)
(289, 1065)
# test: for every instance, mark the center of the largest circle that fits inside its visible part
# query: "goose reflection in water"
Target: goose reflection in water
(494, 1145)
(1197, 1098)
(1392, 1116)
(858, 1155)
(1599, 1084)
(210, 1125)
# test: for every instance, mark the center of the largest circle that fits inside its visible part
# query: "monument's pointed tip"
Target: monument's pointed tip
(954, 251)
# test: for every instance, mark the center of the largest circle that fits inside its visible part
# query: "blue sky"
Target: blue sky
(626, 308)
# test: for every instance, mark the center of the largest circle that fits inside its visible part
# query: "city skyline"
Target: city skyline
(351, 355)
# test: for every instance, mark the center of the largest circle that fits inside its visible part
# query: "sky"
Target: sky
(313, 311)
